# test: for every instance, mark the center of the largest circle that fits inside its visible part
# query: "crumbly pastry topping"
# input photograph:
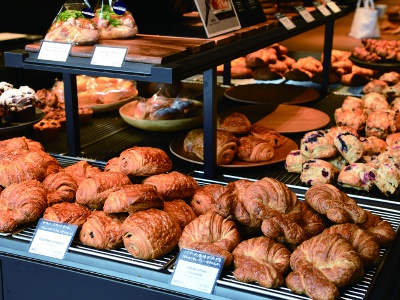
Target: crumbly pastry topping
(20, 98)
(5, 86)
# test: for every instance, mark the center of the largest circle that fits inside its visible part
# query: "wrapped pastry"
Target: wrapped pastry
(226, 145)
(60, 187)
(102, 230)
(235, 122)
(203, 198)
(150, 234)
(73, 25)
(180, 211)
(67, 212)
(114, 20)
(254, 149)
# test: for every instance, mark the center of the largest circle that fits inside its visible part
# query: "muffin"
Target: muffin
(19, 104)
(47, 129)
(85, 115)
(57, 115)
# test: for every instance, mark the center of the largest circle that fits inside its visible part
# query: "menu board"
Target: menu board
(217, 16)
(249, 12)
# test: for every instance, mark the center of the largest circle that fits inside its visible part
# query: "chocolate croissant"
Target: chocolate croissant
(335, 204)
(21, 203)
(144, 161)
(173, 185)
(67, 212)
(253, 149)
(132, 198)
(213, 234)
(150, 234)
(60, 187)
(261, 260)
(94, 190)
(180, 211)
(323, 264)
(203, 198)
(102, 230)
(226, 145)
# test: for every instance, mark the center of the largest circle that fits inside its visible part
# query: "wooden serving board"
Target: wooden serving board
(151, 49)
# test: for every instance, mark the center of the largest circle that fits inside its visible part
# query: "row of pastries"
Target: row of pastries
(263, 231)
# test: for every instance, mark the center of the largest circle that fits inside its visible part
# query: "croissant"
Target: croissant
(322, 264)
(20, 143)
(203, 198)
(265, 203)
(226, 145)
(213, 234)
(67, 212)
(150, 234)
(363, 243)
(22, 165)
(335, 204)
(112, 165)
(21, 203)
(261, 260)
(381, 230)
(102, 230)
(312, 222)
(254, 149)
(60, 187)
(270, 135)
(173, 185)
(81, 170)
(94, 190)
(132, 198)
(144, 161)
(179, 211)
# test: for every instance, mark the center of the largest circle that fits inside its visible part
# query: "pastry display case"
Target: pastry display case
(102, 274)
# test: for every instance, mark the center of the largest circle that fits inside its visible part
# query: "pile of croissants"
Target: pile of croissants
(237, 139)
(137, 201)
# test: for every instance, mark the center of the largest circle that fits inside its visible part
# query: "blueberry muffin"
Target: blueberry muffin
(357, 176)
(294, 161)
(317, 144)
(372, 145)
(47, 129)
(381, 123)
(354, 118)
(317, 171)
(349, 146)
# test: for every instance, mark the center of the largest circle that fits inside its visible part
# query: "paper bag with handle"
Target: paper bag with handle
(365, 21)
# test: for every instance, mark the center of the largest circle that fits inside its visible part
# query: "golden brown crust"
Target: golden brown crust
(144, 161)
(335, 204)
(322, 264)
(81, 170)
(268, 134)
(94, 190)
(173, 185)
(212, 234)
(203, 198)
(381, 230)
(132, 198)
(235, 122)
(150, 234)
(261, 260)
(21, 203)
(363, 243)
(253, 149)
(312, 222)
(60, 187)
(102, 230)
(66, 212)
(180, 211)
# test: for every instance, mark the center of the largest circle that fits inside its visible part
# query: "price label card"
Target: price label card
(109, 56)
(52, 238)
(54, 51)
(333, 6)
(197, 270)
(322, 9)
(285, 21)
(305, 14)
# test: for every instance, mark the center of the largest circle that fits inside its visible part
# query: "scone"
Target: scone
(351, 102)
(374, 86)
(391, 78)
(317, 171)
(381, 123)
(317, 144)
(357, 176)
(393, 141)
(372, 145)
(354, 118)
(294, 161)
(387, 178)
(374, 102)
(349, 146)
